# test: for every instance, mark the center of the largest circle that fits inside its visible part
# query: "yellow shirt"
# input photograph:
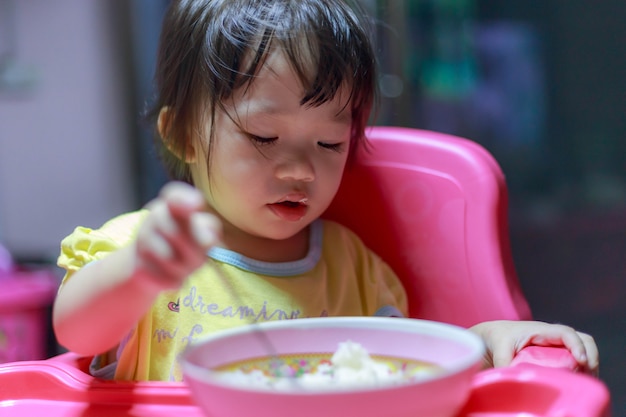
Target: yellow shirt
(339, 276)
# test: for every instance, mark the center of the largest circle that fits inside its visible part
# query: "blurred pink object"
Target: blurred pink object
(434, 206)
(25, 297)
(6, 262)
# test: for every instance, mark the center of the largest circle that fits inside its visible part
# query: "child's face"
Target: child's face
(277, 166)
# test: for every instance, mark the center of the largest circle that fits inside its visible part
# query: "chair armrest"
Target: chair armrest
(546, 356)
(536, 391)
(74, 360)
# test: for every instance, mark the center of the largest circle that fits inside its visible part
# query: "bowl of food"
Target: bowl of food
(339, 366)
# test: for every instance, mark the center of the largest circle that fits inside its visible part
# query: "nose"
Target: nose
(296, 168)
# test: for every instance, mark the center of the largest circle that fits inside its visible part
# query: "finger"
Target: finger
(156, 255)
(593, 355)
(162, 241)
(164, 272)
(561, 335)
(156, 246)
(187, 252)
(188, 234)
(169, 256)
(182, 198)
(206, 229)
(161, 219)
(502, 358)
(555, 335)
(574, 343)
(152, 235)
(167, 242)
(502, 354)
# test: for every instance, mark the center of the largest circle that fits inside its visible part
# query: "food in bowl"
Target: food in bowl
(456, 351)
(350, 366)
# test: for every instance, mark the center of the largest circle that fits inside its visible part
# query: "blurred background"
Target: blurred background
(540, 83)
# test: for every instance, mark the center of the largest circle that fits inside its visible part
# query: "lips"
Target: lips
(290, 208)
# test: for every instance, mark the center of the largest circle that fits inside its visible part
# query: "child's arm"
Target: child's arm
(102, 302)
(504, 339)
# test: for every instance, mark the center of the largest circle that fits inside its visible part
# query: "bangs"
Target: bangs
(320, 44)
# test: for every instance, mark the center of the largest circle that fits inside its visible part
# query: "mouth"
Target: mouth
(290, 209)
(293, 204)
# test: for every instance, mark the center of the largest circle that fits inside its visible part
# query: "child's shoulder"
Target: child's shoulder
(331, 227)
(126, 221)
(85, 245)
(119, 229)
(337, 234)
(123, 227)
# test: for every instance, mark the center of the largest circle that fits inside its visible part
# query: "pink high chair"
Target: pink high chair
(434, 207)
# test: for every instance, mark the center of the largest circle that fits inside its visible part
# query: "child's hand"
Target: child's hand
(174, 238)
(504, 339)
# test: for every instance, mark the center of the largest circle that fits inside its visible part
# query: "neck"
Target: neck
(267, 250)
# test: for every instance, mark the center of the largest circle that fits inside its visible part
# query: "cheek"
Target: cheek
(232, 157)
(239, 177)
(330, 174)
(241, 166)
(232, 188)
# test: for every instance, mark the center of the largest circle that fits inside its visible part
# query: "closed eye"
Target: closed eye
(259, 140)
(337, 147)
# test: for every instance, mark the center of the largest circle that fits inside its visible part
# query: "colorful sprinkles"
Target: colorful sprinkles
(297, 365)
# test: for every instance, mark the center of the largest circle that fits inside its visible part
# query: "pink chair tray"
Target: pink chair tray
(60, 388)
(52, 408)
(535, 391)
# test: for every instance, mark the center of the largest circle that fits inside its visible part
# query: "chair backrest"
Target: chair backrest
(434, 207)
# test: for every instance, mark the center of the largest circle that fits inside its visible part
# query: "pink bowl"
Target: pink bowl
(458, 351)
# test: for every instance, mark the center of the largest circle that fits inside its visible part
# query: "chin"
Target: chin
(284, 232)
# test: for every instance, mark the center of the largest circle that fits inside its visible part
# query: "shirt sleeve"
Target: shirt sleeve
(85, 245)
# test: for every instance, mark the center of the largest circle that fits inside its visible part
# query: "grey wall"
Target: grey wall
(63, 138)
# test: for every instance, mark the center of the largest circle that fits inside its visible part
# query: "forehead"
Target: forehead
(277, 89)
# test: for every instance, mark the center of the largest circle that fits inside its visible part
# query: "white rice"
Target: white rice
(351, 367)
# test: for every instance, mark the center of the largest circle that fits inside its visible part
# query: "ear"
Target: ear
(188, 153)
